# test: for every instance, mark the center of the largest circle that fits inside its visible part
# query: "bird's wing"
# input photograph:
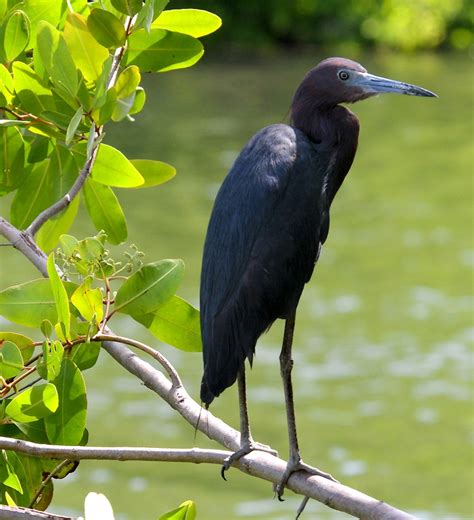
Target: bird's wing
(261, 246)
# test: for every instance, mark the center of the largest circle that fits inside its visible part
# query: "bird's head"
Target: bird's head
(339, 80)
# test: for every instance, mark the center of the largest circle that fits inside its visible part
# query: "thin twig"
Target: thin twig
(64, 202)
(51, 475)
(170, 370)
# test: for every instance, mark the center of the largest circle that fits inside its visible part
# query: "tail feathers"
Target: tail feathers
(206, 395)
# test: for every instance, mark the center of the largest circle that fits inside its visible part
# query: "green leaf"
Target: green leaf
(186, 511)
(50, 364)
(69, 244)
(85, 355)
(87, 53)
(31, 477)
(16, 35)
(105, 211)
(25, 78)
(103, 114)
(39, 149)
(106, 28)
(8, 476)
(112, 167)
(45, 183)
(34, 403)
(101, 84)
(73, 125)
(22, 342)
(67, 424)
(30, 303)
(88, 301)
(46, 329)
(35, 431)
(146, 16)
(154, 172)
(11, 360)
(33, 95)
(126, 86)
(160, 50)
(60, 295)
(175, 322)
(148, 288)
(56, 57)
(48, 236)
(194, 22)
(122, 107)
(38, 10)
(128, 7)
(158, 7)
(12, 159)
(128, 81)
(6, 83)
(139, 102)
(33, 196)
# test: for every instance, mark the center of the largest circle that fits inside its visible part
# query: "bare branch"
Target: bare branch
(257, 463)
(25, 244)
(195, 455)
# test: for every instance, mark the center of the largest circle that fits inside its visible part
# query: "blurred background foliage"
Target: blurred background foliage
(349, 25)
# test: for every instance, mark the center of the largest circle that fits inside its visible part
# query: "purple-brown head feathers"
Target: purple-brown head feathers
(339, 80)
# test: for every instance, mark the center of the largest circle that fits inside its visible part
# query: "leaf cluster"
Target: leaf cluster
(67, 70)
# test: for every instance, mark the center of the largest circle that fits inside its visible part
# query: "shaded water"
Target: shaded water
(383, 344)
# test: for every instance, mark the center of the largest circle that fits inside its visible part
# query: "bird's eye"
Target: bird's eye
(344, 75)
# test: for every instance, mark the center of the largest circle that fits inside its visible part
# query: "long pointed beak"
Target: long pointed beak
(375, 84)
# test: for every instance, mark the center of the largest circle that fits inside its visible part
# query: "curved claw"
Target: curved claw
(245, 450)
(293, 467)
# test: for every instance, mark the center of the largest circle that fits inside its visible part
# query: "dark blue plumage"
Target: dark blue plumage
(269, 219)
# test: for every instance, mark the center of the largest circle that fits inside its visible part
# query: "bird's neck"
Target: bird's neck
(334, 130)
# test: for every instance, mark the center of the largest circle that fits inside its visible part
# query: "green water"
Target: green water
(383, 345)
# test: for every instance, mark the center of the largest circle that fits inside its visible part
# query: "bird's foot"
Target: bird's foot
(293, 466)
(245, 449)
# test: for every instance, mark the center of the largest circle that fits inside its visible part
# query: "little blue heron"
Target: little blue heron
(269, 221)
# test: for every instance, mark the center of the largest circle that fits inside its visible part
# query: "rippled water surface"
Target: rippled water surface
(383, 345)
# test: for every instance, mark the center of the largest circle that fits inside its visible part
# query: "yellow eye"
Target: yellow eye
(344, 75)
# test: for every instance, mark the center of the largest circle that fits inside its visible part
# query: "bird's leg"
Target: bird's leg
(247, 444)
(286, 364)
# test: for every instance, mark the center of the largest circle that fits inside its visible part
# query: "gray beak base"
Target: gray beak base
(375, 84)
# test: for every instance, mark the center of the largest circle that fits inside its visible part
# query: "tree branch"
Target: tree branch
(22, 513)
(25, 244)
(259, 464)
(53, 451)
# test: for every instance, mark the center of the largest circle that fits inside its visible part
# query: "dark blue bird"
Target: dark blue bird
(269, 221)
